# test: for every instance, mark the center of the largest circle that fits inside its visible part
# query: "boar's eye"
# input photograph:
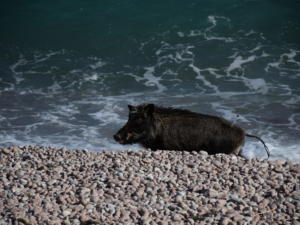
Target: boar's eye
(136, 118)
(139, 120)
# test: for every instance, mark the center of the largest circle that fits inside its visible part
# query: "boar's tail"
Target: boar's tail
(258, 138)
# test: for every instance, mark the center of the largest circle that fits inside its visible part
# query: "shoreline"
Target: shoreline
(46, 185)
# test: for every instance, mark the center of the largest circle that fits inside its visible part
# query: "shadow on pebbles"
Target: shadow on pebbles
(44, 185)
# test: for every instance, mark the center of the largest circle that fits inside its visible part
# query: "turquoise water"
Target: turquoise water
(68, 69)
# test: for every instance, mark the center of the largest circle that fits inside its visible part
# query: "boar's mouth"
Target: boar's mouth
(129, 138)
(133, 137)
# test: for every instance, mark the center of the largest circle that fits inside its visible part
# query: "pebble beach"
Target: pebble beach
(44, 185)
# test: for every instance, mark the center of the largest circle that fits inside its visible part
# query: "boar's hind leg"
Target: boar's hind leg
(237, 150)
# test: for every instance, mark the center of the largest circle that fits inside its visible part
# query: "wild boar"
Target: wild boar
(162, 128)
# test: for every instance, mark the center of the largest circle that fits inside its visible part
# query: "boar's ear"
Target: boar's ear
(149, 109)
(132, 109)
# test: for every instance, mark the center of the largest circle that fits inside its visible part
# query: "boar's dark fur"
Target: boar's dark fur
(177, 129)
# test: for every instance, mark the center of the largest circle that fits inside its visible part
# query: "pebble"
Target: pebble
(67, 212)
(225, 221)
(140, 192)
(237, 199)
(40, 184)
(94, 196)
(212, 193)
(6, 151)
(124, 214)
(256, 198)
(135, 183)
(221, 203)
(178, 199)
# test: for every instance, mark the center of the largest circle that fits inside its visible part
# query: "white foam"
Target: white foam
(67, 110)
(238, 62)
(92, 77)
(206, 33)
(18, 75)
(259, 85)
(213, 20)
(264, 54)
(294, 120)
(278, 148)
(254, 149)
(229, 94)
(225, 39)
(167, 58)
(55, 87)
(180, 34)
(283, 90)
(213, 71)
(98, 64)
(285, 57)
(195, 33)
(33, 62)
(149, 79)
(233, 56)
(108, 115)
(180, 58)
(50, 117)
(38, 58)
(262, 36)
(152, 80)
(37, 72)
(293, 100)
(250, 33)
(202, 78)
(228, 113)
(68, 134)
(273, 64)
(291, 57)
(75, 71)
(255, 49)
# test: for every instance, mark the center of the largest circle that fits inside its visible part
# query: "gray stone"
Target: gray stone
(236, 198)
(67, 212)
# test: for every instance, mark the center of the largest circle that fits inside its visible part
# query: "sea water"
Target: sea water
(68, 69)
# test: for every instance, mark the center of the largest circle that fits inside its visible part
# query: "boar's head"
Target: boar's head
(137, 126)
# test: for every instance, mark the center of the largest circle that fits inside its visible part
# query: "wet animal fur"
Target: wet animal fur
(179, 129)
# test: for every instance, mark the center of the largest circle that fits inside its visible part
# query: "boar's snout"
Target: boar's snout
(118, 138)
(123, 138)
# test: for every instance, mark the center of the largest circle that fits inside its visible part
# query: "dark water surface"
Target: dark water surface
(68, 69)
